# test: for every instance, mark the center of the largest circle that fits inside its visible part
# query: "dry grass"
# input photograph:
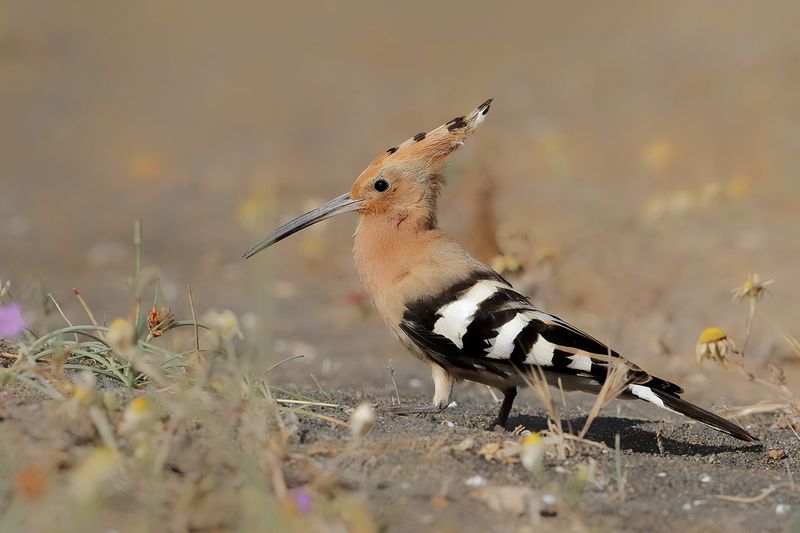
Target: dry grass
(169, 427)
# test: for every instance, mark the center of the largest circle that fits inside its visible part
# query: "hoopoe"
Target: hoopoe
(454, 312)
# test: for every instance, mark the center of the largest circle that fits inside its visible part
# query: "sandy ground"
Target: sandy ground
(648, 154)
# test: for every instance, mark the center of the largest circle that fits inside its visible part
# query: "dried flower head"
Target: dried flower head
(753, 288)
(137, 416)
(714, 344)
(362, 420)
(159, 320)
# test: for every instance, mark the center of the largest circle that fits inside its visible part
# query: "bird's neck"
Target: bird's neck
(389, 248)
(400, 262)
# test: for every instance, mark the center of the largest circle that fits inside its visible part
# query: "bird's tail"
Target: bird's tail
(671, 401)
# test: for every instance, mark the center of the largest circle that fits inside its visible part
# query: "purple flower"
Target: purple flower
(302, 499)
(11, 323)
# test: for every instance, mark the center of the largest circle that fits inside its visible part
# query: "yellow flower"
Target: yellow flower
(84, 388)
(137, 416)
(532, 452)
(223, 323)
(121, 334)
(88, 478)
(505, 263)
(714, 344)
(753, 288)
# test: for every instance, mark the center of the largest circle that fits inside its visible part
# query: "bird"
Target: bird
(454, 312)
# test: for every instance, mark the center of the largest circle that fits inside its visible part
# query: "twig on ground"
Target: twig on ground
(304, 402)
(752, 499)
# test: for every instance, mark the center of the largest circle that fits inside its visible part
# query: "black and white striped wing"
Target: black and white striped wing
(484, 324)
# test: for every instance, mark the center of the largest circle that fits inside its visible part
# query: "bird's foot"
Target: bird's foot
(497, 426)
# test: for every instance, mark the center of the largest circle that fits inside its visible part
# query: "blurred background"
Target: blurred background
(640, 160)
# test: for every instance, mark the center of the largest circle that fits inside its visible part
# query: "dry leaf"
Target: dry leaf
(507, 498)
(777, 454)
(504, 452)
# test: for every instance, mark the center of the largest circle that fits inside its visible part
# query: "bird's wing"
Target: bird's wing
(483, 323)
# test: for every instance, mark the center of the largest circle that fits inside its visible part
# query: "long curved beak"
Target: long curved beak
(340, 204)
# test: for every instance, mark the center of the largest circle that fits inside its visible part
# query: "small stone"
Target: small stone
(475, 481)
(452, 404)
(548, 506)
(686, 507)
(439, 501)
(777, 454)
(661, 474)
(451, 424)
(705, 478)
(782, 509)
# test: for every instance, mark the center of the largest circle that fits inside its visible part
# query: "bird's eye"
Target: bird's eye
(381, 185)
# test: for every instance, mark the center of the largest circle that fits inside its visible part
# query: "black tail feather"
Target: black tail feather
(701, 415)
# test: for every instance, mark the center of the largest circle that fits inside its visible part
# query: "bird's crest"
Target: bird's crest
(424, 155)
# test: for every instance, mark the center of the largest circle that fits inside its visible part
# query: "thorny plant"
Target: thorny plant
(139, 443)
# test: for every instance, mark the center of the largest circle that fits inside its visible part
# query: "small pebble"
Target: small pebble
(415, 383)
(451, 424)
(705, 478)
(782, 508)
(452, 404)
(686, 507)
(698, 502)
(777, 454)
(661, 474)
(475, 481)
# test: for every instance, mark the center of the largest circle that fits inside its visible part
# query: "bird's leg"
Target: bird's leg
(505, 408)
(443, 387)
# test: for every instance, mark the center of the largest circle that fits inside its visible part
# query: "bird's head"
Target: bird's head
(402, 183)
